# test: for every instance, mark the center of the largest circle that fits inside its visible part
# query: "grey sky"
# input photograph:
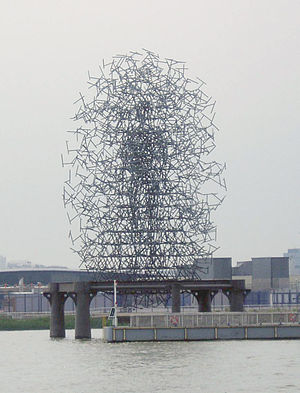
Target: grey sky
(246, 51)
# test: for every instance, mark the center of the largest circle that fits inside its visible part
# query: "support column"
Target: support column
(175, 297)
(236, 300)
(83, 297)
(204, 300)
(57, 317)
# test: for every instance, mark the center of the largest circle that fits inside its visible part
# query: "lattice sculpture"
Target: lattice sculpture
(139, 170)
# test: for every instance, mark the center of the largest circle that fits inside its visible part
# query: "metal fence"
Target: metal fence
(214, 319)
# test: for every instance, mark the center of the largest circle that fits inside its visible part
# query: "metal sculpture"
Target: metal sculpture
(137, 183)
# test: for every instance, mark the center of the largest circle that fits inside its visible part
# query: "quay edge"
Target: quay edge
(133, 334)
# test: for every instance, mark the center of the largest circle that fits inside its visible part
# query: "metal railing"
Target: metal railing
(214, 319)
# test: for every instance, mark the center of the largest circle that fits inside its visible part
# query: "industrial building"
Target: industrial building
(264, 273)
(294, 266)
(269, 279)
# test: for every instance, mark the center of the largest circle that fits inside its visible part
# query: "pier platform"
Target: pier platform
(203, 327)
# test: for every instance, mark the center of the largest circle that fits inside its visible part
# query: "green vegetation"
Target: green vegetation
(7, 323)
(43, 323)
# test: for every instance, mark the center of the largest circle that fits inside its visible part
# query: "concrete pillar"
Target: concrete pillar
(57, 317)
(176, 297)
(204, 300)
(236, 300)
(82, 300)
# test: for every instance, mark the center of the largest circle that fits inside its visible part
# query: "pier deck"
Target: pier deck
(204, 326)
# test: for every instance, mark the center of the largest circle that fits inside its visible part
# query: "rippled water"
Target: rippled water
(31, 362)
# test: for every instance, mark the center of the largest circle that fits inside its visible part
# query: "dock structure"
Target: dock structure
(271, 332)
(83, 292)
(207, 326)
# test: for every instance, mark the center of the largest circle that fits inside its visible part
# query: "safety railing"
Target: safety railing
(214, 319)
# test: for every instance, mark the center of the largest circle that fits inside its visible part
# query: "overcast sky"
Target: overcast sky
(248, 54)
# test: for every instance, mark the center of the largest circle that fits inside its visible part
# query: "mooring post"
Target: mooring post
(176, 297)
(57, 318)
(83, 297)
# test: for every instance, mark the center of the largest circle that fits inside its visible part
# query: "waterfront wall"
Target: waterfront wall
(124, 334)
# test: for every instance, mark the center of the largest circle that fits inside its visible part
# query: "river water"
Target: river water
(32, 362)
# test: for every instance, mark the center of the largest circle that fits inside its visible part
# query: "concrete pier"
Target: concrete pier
(82, 301)
(82, 293)
(57, 318)
(236, 299)
(204, 299)
(175, 297)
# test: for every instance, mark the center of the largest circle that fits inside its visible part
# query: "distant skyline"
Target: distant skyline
(248, 54)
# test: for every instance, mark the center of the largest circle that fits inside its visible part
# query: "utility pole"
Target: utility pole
(115, 304)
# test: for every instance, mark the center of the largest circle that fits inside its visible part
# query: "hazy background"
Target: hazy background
(246, 51)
